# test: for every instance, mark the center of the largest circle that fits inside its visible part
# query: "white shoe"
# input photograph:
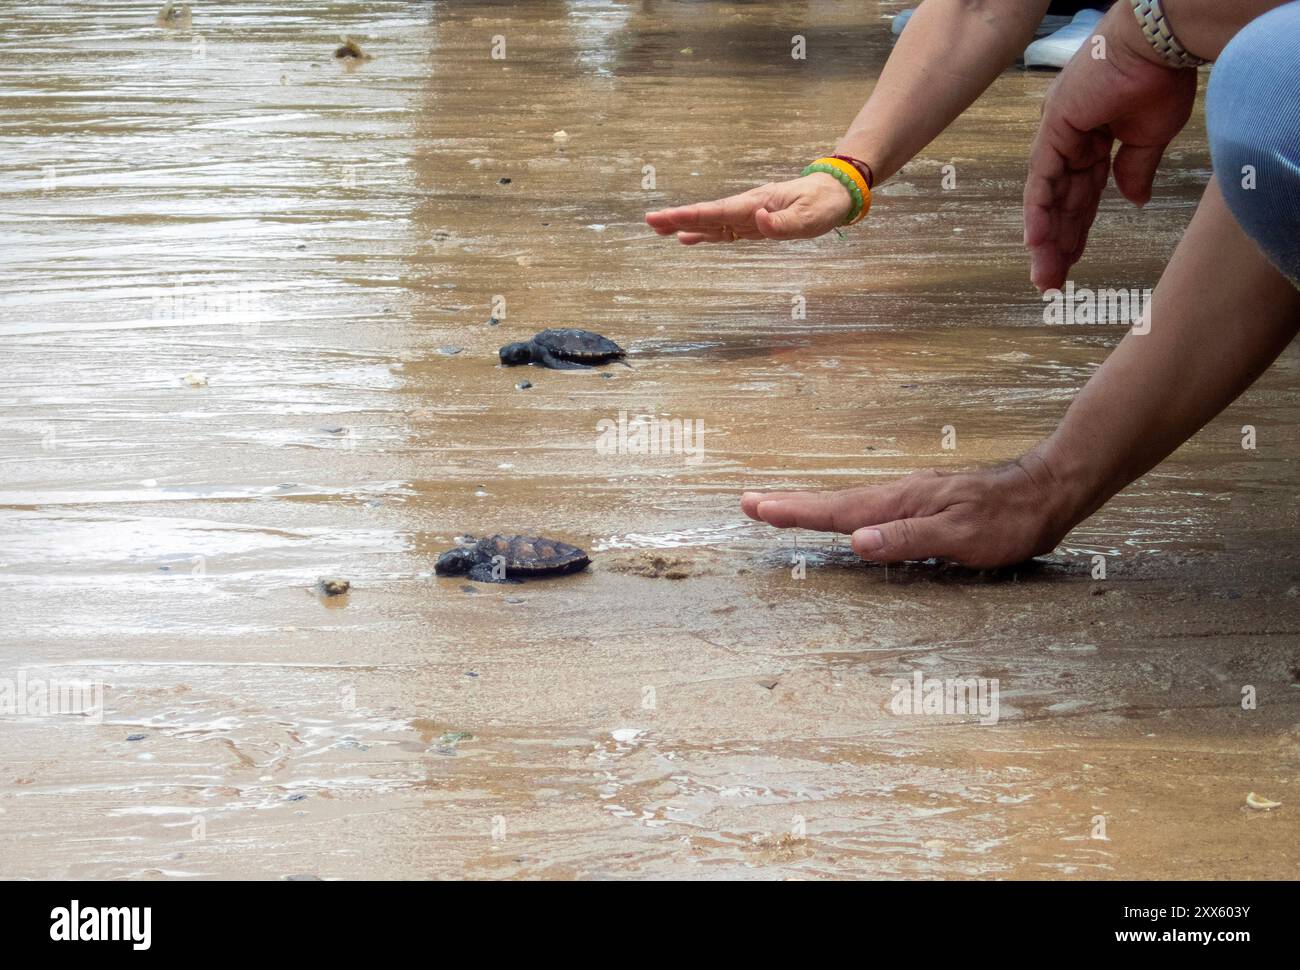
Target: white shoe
(1055, 50)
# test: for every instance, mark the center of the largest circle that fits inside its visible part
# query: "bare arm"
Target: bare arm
(1220, 316)
(951, 51)
(949, 54)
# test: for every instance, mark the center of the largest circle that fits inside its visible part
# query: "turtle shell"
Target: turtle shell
(533, 555)
(581, 345)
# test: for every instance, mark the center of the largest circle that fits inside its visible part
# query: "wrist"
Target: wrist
(865, 145)
(839, 192)
(1124, 38)
(852, 180)
(1155, 42)
(1072, 486)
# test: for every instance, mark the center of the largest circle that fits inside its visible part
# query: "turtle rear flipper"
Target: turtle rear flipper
(548, 359)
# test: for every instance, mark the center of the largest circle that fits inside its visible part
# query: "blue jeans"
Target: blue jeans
(1252, 114)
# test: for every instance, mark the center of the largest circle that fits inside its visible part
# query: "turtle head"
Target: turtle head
(455, 562)
(516, 353)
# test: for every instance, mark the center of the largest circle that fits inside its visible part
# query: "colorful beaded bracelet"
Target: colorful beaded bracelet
(852, 181)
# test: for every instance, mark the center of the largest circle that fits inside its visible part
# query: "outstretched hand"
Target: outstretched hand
(1125, 96)
(798, 209)
(997, 517)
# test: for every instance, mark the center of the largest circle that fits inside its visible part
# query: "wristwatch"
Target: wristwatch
(1155, 28)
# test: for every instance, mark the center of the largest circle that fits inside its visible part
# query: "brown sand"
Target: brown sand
(688, 707)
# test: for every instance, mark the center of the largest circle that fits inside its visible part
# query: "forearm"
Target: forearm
(1219, 316)
(951, 51)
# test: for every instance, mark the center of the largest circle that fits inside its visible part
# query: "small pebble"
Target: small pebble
(297, 796)
(450, 351)
(135, 737)
(503, 181)
(333, 585)
(196, 379)
(524, 385)
(493, 322)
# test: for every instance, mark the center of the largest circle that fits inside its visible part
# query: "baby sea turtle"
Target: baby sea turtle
(176, 15)
(506, 559)
(351, 50)
(562, 349)
(332, 585)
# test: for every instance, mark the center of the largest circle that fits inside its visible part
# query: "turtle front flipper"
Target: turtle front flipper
(548, 359)
(483, 573)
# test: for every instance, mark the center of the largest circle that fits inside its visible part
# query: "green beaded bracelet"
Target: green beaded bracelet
(845, 181)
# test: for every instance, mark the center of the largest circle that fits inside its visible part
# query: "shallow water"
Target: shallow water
(234, 274)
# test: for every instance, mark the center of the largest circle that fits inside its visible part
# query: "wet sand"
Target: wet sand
(687, 708)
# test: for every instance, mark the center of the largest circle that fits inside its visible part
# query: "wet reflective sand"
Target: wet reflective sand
(246, 294)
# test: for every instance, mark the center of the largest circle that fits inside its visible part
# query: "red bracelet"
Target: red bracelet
(863, 168)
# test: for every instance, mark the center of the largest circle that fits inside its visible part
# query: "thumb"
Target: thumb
(784, 224)
(1135, 170)
(904, 539)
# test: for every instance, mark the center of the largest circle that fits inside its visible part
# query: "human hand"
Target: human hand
(1129, 95)
(996, 517)
(798, 209)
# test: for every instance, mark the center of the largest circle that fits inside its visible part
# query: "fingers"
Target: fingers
(926, 515)
(1061, 199)
(1048, 267)
(735, 211)
(841, 511)
(749, 500)
(933, 537)
(719, 235)
(1135, 171)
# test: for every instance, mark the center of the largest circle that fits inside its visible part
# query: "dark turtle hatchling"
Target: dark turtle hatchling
(351, 50)
(511, 559)
(562, 349)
